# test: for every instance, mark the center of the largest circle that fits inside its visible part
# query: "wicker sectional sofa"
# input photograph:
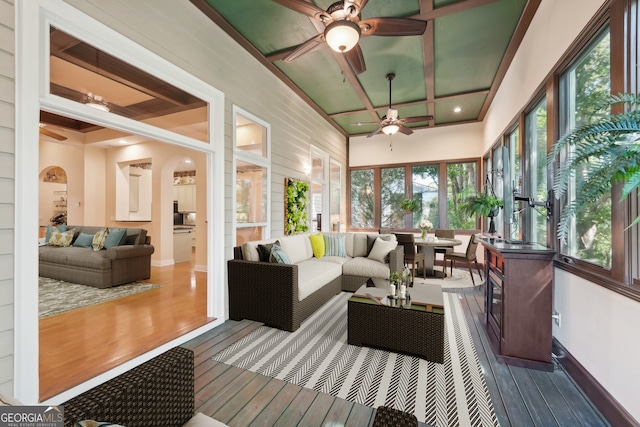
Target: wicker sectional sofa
(284, 295)
(105, 268)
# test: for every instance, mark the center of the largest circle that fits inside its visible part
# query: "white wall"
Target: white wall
(599, 327)
(7, 200)
(447, 142)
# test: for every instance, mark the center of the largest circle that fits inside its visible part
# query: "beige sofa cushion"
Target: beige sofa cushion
(297, 246)
(313, 274)
(365, 267)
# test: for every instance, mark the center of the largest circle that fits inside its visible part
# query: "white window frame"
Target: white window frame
(32, 82)
(316, 152)
(262, 161)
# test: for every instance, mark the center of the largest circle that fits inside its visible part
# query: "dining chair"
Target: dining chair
(443, 233)
(411, 255)
(468, 257)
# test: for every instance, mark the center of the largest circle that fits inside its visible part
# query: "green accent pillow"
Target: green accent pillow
(116, 237)
(83, 240)
(62, 239)
(317, 244)
(279, 256)
(98, 240)
(61, 228)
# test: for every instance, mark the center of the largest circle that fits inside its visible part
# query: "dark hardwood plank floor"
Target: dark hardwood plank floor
(521, 397)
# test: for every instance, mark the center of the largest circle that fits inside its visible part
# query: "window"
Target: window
(425, 188)
(534, 183)
(391, 194)
(335, 189)
(319, 188)
(362, 198)
(461, 183)
(425, 183)
(513, 144)
(252, 170)
(584, 88)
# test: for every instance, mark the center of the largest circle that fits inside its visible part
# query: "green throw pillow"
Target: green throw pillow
(317, 244)
(98, 240)
(83, 240)
(116, 237)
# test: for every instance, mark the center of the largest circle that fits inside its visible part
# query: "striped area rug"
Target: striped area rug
(318, 357)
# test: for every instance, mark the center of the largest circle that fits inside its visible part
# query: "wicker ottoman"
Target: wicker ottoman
(415, 328)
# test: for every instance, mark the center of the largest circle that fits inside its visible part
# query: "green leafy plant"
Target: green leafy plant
(604, 152)
(486, 205)
(396, 277)
(296, 220)
(409, 205)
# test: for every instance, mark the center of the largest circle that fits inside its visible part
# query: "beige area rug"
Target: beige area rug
(58, 296)
(460, 278)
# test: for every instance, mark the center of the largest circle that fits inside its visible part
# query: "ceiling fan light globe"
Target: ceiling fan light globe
(390, 129)
(342, 36)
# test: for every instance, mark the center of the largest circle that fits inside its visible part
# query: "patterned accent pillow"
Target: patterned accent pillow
(317, 244)
(279, 256)
(50, 228)
(62, 239)
(335, 246)
(99, 239)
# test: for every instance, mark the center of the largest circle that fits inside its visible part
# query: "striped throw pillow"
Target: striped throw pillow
(335, 246)
(279, 255)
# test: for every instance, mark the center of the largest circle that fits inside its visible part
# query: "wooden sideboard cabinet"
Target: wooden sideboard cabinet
(518, 302)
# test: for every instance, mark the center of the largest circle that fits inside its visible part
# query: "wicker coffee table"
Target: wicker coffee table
(414, 327)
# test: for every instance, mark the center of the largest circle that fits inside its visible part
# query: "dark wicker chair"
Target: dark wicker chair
(411, 255)
(468, 257)
(389, 417)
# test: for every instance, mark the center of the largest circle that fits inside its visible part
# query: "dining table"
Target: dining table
(427, 246)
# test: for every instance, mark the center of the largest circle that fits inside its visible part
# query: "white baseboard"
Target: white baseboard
(202, 268)
(162, 263)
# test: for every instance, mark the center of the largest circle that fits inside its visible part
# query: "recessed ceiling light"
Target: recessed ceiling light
(457, 109)
(187, 161)
(122, 142)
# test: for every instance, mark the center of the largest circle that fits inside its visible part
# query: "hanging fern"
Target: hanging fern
(606, 151)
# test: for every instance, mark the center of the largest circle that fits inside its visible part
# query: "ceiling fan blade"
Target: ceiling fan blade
(355, 58)
(306, 8)
(375, 132)
(418, 119)
(393, 27)
(308, 46)
(51, 134)
(405, 130)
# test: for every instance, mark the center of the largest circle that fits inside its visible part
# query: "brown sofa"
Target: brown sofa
(105, 268)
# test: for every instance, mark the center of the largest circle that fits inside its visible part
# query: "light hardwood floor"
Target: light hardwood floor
(78, 345)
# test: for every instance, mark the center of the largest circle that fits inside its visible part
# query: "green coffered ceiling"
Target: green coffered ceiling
(459, 61)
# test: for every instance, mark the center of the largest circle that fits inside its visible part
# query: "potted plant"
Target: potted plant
(605, 152)
(487, 205)
(409, 205)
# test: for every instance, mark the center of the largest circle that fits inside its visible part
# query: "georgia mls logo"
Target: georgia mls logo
(31, 416)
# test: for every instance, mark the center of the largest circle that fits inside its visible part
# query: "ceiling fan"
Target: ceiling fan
(390, 122)
(50, 133)
(343, 29)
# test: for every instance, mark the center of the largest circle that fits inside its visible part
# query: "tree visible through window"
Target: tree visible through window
(461, 183)
(584, 88)
(362, 199)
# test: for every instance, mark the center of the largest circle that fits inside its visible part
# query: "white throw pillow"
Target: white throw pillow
(381, 249)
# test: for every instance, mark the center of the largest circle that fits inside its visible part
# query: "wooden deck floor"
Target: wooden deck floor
(521, 397)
